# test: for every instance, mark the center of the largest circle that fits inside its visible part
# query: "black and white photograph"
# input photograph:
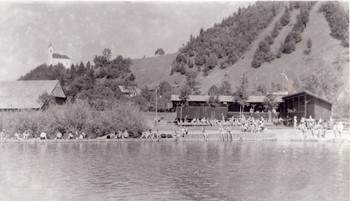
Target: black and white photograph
(174, 100)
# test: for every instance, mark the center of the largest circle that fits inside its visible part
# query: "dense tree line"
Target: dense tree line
(223, 44)
(263, 53)
(338, 20)
(294, 36)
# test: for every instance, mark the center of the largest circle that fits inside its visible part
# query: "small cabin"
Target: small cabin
(306, 104)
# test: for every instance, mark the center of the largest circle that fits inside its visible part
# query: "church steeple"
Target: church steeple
(49, 62)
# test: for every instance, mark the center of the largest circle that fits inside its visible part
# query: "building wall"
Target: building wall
(200, 112)
(60, 101)
(322, 110)
(65, 62)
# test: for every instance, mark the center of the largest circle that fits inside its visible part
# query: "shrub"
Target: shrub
(307, 52)
(285, 17)
(288, 47)
(223, 65)
(309, 43)
(279, 54)
(212, 61)
(200, 59)
(262, 54)
(78, 116)
(269, 40)
(338, 20)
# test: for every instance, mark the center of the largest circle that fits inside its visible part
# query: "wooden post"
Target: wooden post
(298, 110)
(305, 106)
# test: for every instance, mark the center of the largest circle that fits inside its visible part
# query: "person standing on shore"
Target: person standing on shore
(340, 128)
(295, 122)
(2, 135)
(158, 135)
(335, 129)
(302, 126)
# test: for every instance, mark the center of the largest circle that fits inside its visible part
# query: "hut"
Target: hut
(306, 104)
(20, 95)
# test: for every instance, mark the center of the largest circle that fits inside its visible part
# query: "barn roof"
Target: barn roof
(307, 93)
(25, 94)
(129, 89)
(59, 56)
(203, 98)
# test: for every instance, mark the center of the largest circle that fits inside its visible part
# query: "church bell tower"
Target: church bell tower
(49, 61)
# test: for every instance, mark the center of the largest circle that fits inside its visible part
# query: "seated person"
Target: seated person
(244, 127)
(70, 136)
(109, 136)
(84, 135)
(194, 120)
(126, 134)
(58, 135)
(146, 134)
(17, 136)
(43, 136)
(25, 134)
(81, 137)
(261, 126)
(120, 134)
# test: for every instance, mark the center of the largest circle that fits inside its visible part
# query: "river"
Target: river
(214, 170)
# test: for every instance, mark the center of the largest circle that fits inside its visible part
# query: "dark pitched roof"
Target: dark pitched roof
(308, 93)
(59, 56)
(203, 98)
(25, 94)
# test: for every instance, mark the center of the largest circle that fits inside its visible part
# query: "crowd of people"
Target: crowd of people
(4, 135)
(318, 128)
(249, 124)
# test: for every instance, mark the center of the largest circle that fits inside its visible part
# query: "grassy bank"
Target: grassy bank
(71, 117)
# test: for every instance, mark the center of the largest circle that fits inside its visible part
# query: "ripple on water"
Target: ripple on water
(175, 171)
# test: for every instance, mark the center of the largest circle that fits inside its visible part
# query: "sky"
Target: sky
(83, 29)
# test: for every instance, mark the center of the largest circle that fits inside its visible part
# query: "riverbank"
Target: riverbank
(236, 135)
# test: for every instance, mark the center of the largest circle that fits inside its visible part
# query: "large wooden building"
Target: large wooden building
(20, 95)
(197, 106)
(306, 104)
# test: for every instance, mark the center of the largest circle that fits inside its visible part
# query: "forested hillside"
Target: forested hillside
(225, 43)
(303, 40)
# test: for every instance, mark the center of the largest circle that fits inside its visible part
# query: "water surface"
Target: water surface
(175, 171)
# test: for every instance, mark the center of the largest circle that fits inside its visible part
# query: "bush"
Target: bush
(78, 116)
(309, 43)
(338, 20)
(199, 60)
(212, 61)
(279, 54)
(307, 52)
(262, 54)
(285, 17)
(269, 40)
(223, 65)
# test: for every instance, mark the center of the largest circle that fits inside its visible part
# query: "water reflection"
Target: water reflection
(175, 171)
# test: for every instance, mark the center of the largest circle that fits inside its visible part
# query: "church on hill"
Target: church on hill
(55, 58)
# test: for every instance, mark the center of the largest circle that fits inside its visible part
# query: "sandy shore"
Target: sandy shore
(268, 135)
